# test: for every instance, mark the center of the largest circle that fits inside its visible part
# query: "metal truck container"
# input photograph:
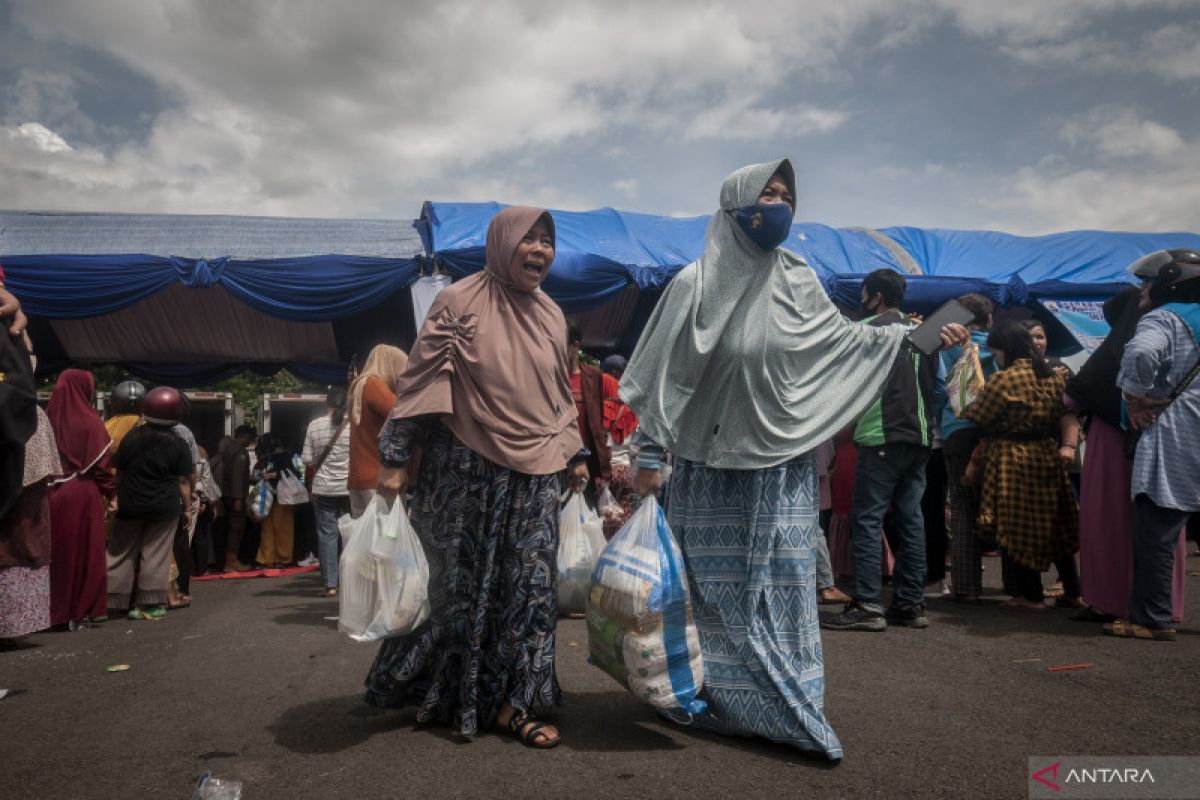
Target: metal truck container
(210, 415)
(287, 416)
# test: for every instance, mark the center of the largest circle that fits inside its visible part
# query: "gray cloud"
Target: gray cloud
(315, 108)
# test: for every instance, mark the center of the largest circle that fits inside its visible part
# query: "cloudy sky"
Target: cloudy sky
(1023, 115)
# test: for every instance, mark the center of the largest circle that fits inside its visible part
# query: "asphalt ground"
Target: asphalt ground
(254, 683)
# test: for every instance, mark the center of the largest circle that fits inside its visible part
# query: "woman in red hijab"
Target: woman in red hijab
(78, 568)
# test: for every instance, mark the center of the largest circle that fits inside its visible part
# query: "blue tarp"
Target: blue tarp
(600, 252)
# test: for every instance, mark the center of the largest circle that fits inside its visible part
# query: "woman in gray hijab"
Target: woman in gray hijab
(781, 370)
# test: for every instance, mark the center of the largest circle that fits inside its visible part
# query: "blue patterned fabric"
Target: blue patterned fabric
(491, 537)
(748, 539)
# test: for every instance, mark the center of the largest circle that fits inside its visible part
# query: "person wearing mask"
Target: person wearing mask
(959, 439)
(77, 502)
(327, 454)
(1160, 387)
(154, 487)
(278, 530)
(893, 439)
(372, 395)
(488, 391)
(743, 369)
(1026, 497)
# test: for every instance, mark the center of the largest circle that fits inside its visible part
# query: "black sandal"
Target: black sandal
(526, 728)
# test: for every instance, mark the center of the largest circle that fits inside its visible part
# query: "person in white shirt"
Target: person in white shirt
(327, 452)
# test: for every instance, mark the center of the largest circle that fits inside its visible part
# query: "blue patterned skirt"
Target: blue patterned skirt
(748, 539)
(490, 535)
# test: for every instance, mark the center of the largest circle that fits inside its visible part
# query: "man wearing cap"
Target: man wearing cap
(1159, 383)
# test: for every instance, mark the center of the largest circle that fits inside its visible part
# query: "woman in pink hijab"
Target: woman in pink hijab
(487, 395)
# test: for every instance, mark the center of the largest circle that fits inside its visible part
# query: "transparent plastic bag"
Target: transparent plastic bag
(965, 381)
(580, 540)
(259, 501)
(639, 616)
(290, 491)
(383, 573)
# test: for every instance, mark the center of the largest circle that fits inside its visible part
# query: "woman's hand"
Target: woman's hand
(953, 335)
(647, 482)
(1143, 411)
(10, 305)
(392, 481)
(577, 476)
(270, 476)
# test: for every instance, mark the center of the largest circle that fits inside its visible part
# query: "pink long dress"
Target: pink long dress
(1106, 526)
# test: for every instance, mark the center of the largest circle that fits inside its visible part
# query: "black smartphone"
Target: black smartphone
(927, 337)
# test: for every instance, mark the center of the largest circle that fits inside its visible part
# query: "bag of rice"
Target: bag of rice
(640, 627)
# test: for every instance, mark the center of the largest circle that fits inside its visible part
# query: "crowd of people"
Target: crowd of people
(790, 444)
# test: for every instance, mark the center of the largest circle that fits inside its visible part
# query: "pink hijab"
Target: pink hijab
(492, 361)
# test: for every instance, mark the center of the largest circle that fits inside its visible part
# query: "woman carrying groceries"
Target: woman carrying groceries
(278, 531)
(743, 370)
(487, 392)
(327, 453)
(372, 396)
(1026, 496)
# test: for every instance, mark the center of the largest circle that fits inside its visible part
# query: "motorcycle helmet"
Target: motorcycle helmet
(163, 406)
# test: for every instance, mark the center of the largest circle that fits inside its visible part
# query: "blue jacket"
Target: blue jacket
(951, 423)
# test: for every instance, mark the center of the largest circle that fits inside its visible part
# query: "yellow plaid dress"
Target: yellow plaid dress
(1026, 497)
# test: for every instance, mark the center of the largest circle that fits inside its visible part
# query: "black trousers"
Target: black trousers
(1026, 582)
(183, 558)
(933, 508)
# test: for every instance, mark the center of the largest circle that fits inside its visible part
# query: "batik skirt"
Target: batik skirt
(748, 539)
(491, 536)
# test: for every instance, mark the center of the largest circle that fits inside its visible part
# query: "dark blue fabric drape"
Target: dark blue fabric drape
(309, 288)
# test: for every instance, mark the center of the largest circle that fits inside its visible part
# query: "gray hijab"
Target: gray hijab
(745, 362)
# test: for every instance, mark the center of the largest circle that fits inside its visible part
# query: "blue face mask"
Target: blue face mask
(767, 225)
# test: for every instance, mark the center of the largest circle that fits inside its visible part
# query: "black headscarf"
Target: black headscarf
(1095, 387)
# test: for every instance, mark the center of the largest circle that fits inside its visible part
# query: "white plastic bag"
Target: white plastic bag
(383, 574)
(259, 501)
(580, 540)
(290, 491)
(639, 616)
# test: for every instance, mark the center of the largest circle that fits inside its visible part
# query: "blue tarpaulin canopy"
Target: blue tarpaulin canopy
(600, 252)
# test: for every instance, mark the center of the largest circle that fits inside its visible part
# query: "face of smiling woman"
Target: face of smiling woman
(532, 258)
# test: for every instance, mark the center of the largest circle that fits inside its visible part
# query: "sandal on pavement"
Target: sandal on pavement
(530, 731)
(831, 595)
(1125, 629)
(1069, 602)
(330, 592)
